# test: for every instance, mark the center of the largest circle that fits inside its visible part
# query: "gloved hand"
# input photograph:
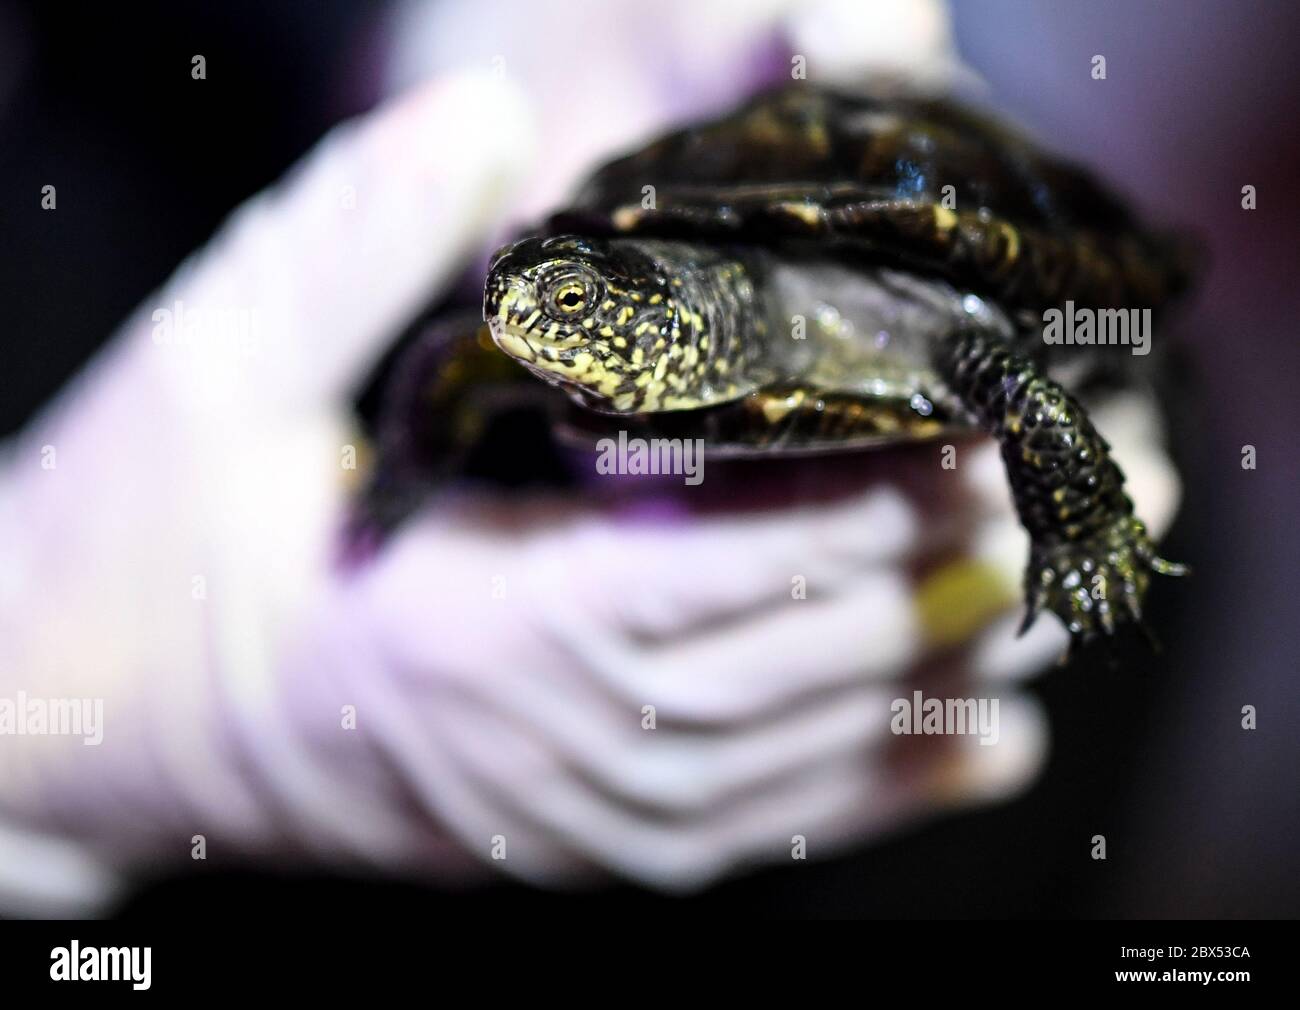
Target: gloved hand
(480, 689)
(636, 686)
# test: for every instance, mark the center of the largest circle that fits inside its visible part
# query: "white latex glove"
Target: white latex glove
(501, 656)
(168, 524)
(174, 563)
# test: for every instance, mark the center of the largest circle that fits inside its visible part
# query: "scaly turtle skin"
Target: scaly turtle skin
(797, 276)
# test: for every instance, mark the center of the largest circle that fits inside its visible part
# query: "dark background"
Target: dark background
(1202, 818)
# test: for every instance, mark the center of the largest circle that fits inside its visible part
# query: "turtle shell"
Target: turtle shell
(917, 182)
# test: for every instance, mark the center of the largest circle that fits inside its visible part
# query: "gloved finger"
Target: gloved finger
(708, 58)
(851, 800)
(669, 568)
(321, 270)
(896, 623)
(647, 761)
(660, 577)
(871, 627)
(743, 670)
(847, 797)
(453, 781)
(876, 625)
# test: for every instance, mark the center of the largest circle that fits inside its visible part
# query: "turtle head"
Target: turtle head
(604, 319)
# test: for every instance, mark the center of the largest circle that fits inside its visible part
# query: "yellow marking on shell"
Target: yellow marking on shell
(944, 219)
(805, 212)
(626, 218)
(774, 410)
(817, 137)
(1012, 239)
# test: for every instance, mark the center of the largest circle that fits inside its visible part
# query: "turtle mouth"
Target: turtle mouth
(510, 342)
(519, 327)
(530, 346)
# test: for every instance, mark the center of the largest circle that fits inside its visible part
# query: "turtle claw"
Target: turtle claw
(1163, 567)
(1096, 585)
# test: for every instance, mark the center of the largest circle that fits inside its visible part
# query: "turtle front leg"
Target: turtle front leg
(1090, 557)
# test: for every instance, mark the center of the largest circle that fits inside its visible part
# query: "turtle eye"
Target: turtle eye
(570, 296)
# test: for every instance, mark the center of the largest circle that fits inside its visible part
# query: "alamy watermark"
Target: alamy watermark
(29, 716)
(923, 716)
(1123, 327)
(75, 963)
(234, 327)
(652, 456)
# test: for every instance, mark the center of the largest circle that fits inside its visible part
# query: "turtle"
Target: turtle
(821, 270)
